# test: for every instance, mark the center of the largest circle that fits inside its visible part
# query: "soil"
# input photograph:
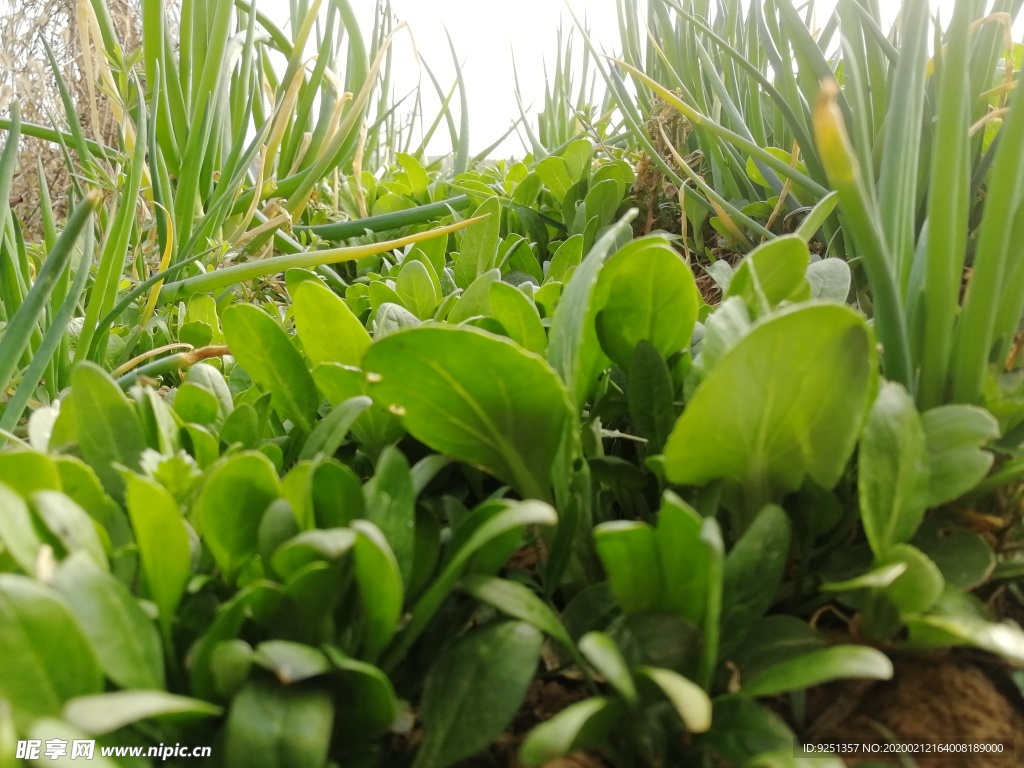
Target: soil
(942, 699)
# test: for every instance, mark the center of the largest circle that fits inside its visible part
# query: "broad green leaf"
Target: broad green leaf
(476, 299)
(416, 288)
(26, 472)
(606, 658)
(772, 273)
(391, 506)
(567, 256)
(602, 200)
(876, 578)
(577, 159)
(651, 396)
(689, 700)
(958, 619)
(376, 427)
(954, 435)
(291, 662)
(230, 506)
(745, 731)
(107, 426)
(518, 316)
(417, 177)
(476, 397)
(684, 559)
(310, 547)
(213, 381)
(331, 431)
(573, 347)
(552, 172)
(780, 637)
(474, 690)
(784, 404)
(519, 602)
(46, 729)
(645, 292)
(17, 532)
(193, 403)
(479, 243)
(263, 349)
(629, 553)
(278, 726)
(70, 525)
(163, 543)
(919, 586)
(122, 636)
(964, 557)
(819, 666)
(509, 516)
(829, 279)
(380, 587)
(368, 704)
(54, 661)
(753, 572)
(583, 724)
(107, 712)
(329, 332)
(893, 471)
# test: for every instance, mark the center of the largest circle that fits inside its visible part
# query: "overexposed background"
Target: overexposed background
(487, 34)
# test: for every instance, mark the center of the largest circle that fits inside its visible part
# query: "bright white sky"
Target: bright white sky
(485, 34)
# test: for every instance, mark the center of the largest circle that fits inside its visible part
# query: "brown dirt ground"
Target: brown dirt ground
(943, 699)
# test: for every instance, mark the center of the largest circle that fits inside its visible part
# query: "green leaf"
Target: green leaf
(376, 427)
(391, 506)
(567, 256)
(262, 348)
(519, 602)
(277, 726)
(291, 662)
(954, 435)
(163, 542)
(329, 433)
(583, 724)
(476, 299)
(919, 586)
(122, 636)
(474, 689)
(17, 533)
(70, 525)
(329, 332)
(476, 397)
(893, 473)
(752, 574)
(416, 288)
(479, 243)
(499, 518)
(230, 506)
(785, 403)
(368, 705)
(380, 587)
(645, 292)
(689, 700)
(629, 553)
(819, 666)
(108, 712)
(772, 273)
(684, 559)
(311, 547)
(54, 659)
(519, 317)
(573, 347)
(606, 658)
(651, 396)
(108, 429)
(964, 557)
(957, 619)
(829, 279)
(45, 729)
